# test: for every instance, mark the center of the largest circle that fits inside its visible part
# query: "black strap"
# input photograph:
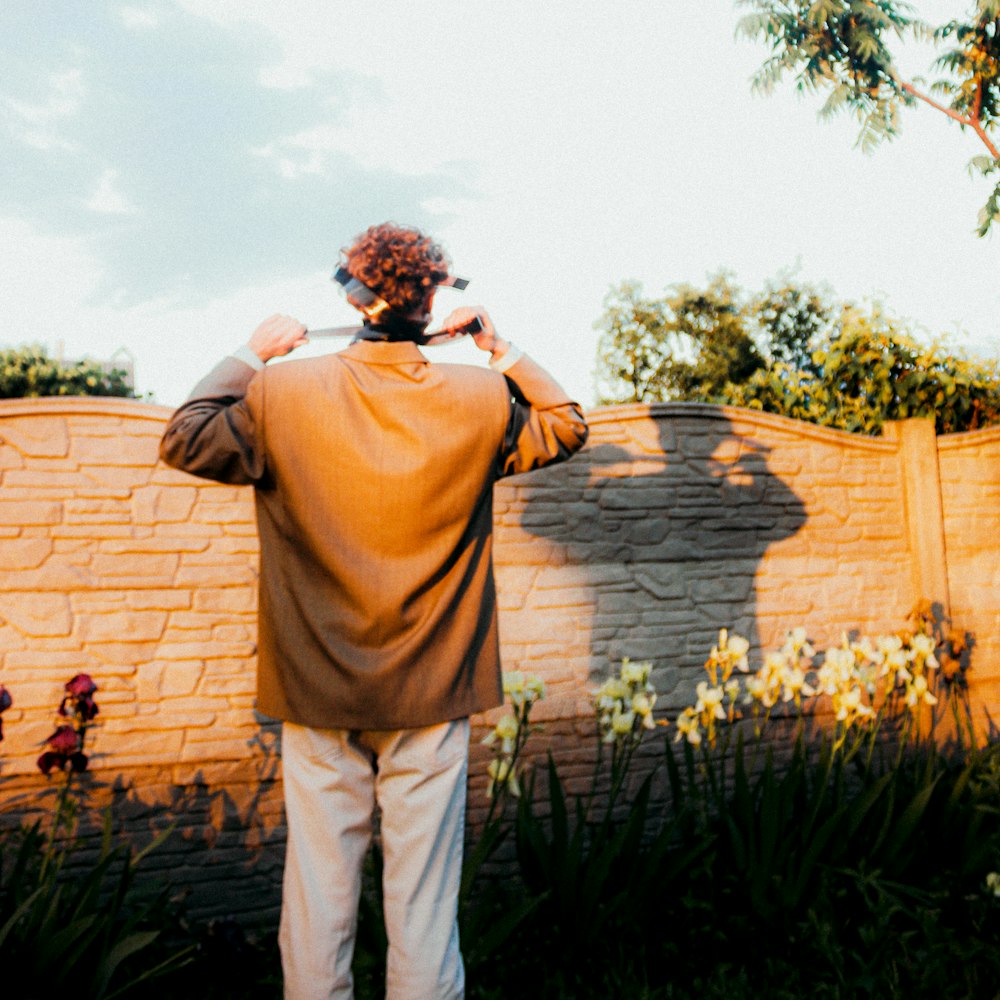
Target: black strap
(392, 328)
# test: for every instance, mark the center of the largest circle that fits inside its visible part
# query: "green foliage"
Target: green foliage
(488, 915)
(985, 165)
(30, 371)
(973, 65)
(868, 375)
(226, 963)
(793, 864)
(712, 314)
(637, 344)
(690, 343)
(70, 920)
(798, 875)
(84, 926)
(853, 874)
(843, 46)
(788, 350)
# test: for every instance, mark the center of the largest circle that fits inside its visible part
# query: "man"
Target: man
(373, 472)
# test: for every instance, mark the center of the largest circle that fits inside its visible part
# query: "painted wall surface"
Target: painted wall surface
(674, 521)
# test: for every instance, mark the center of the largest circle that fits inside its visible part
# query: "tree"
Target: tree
(791, 350)
(686, 345)
(634, 351)
(29, 371)
(843, 46)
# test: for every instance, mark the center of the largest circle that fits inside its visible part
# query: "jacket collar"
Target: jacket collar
(385, 352)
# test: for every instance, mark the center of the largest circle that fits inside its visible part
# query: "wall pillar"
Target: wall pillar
(920, 478)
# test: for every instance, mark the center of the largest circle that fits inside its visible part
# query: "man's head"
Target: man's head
(401, 265)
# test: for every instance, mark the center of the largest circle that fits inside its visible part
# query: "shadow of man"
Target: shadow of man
(643, 546)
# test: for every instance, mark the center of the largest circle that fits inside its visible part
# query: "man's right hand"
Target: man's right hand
(276, 336)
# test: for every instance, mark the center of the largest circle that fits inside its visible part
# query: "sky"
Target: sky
(175, 171)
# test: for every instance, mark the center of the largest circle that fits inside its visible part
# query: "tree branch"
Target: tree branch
(977, 127)
(950, 112)
(977, 122)
(972, 121)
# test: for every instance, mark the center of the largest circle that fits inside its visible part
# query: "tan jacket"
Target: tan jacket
(374, 474)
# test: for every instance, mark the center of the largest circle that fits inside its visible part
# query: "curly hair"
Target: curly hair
(399, 263)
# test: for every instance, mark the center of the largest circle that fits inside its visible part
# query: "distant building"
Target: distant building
(123, 360)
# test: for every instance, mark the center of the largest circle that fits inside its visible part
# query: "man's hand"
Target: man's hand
(277, 336)
(487, 339)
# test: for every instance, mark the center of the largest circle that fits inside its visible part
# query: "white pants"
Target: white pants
(332, 780)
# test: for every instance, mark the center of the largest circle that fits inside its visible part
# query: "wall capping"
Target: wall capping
(627, 412)
(112, 406)
(964, 439)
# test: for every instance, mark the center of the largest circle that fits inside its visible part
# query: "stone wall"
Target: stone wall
(145, 578)
(674, 521)
(970, 496)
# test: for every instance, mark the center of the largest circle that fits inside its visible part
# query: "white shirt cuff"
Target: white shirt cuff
(244, 353)
(510, 359)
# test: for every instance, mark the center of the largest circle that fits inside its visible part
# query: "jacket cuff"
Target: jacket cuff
(510, 358)
(247, 355)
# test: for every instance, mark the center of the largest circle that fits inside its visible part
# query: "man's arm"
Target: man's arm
(214, 434)
(545, 425)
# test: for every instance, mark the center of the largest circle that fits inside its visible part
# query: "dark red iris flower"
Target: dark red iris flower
(63, 740)
(5, 702)
(74, 761)
(82, 685)
(79, 700)
(63, 752)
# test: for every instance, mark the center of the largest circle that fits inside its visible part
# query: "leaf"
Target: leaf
(902, 830)
(810, 859)
(983, 164)
(557, 799)
(989, 212)
(752, 25)
(155, 844)
(837, 101)
(175, 961)
(472, 862)
(487, 942)
(21, 910)
(873, 795)
(121, 950)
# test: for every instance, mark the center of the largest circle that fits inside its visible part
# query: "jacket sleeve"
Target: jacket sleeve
(545, 425)
(214, 434)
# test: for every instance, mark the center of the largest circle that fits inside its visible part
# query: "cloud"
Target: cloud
(439, 206)
(138, 18)
(296, 156)
(107, 198)
(237, 183)
(35, 123)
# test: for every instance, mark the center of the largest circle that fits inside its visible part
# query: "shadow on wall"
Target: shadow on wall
(226, 840)
(223, 825)
(656, 533)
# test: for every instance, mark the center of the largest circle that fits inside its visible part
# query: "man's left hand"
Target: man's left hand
(487, 339)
